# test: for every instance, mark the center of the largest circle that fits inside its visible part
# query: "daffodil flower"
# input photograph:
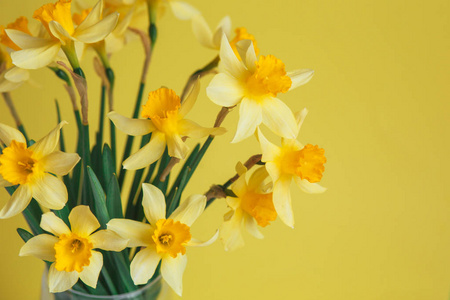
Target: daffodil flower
(292, 161)
(180, 9)
(213, 40)
(255, 83)
(164, 115)
(38, 52)
(71, 250)
(32, 169)
(253, 206)
(163, 239)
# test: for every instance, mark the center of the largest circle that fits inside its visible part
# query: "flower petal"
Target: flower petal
(82, 221)
(193, 130)
(252, 227)
(225, 90)
(189, 210)
(282, 200)
(197, 243)
(247, 53)
(182, 10)
(50, 192)
(26, 41)
(48, 144)
(60, 281)
(59, 32)
(8, 86)
(230, 232)
(258, 179)
(98, 31)
(147, 154)
(138, 233)
(36, 58)
(176, 147)
(269, 151)
(250, 116)
(190, 99)
(279, 118)
(8, 134)
(273, 170)
(300, 77)
(60, 163)
(172, 270)
(131, 126)
(308, 187)
(224, 27)
(90, 273)
(108, 240)
(17, 203)
(51, 223)
(41, 246)
(202, 32)
(93, 17)
(154, 203)
(144, 265)
(17, 75)
(300, 117)
(229, 63)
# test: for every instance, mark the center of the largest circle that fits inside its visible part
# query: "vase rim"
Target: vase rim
(126, 295)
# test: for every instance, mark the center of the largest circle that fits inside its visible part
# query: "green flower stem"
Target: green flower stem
(61, 74)
(199, 73)
(14, 114)
(71, 54)
(102, 116)
(152, 15)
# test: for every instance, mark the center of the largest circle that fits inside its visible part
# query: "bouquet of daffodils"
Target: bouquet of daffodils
(99, 236)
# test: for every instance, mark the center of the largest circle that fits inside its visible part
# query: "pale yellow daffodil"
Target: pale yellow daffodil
(255, 83)
(292, 161)
(31, 168)
(163, 239)
(38, 52)
(71, 251)
(164, 115)
(252, 206)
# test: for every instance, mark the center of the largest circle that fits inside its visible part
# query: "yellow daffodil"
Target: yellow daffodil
(38, 52)
(255, 83)
(213, 40)
(292, 161)
(180, 9)
(253, 206)
(164, 118)
(163, 239)
(32, 169)
(71, 251)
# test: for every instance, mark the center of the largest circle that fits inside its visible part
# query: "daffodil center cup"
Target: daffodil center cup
(170, 237)
(162, 108)
(59, 12)
(18, 164)
(269, 79)
(259, 206)
(73, 252)
(307, 163)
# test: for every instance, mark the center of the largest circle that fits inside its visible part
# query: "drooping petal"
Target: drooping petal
(41, 246)
(257, 180)
(82, 221)
(48, 144)
(139, 234)
(172, 270)
(224, 27)
(182, 10)
(269, 151)
(252, 227)
(229, 63)
(17, 75)
(189, 210)
(282, 200)
(202, 31)
(93, 17)
(26, 41)
(17, 203)
(90, 273)
(131, 126)
(98, 31)
(300, 77)
(250, 116)
(36, 58)
(308, 187)
(190, 99)
(225, 90)
(144, 265)
(4, 183)
(279, 118)
(247, 53)
(108, 240)
(193, 130)
(60, 281)
(197, 243)
(300, 117)
(60, 163)
(8, 134)
(154, 203)
(50, 192)
(51, 223)
(147, 154)
(176, 147)
(8, 86)
(230, 232)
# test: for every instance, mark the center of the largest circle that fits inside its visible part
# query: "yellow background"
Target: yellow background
(379, 105)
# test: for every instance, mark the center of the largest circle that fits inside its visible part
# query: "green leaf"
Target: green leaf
(113, 200)
(107, 164)
(25, 235)
(100, 210)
